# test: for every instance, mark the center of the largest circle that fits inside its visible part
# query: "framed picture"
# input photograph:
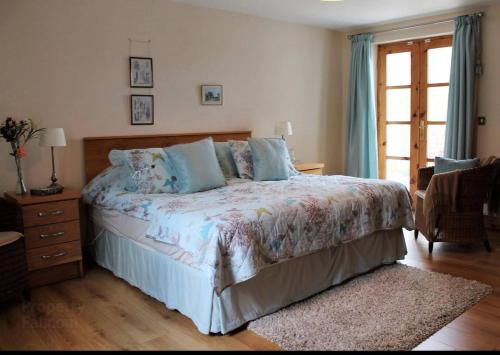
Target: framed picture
(141, 72)
(211, 95)
(142, 109)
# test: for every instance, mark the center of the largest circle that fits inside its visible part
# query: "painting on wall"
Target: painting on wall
(142, 109)
(141, 72)
(211, 94)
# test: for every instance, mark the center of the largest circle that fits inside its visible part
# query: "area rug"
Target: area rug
(395, 307)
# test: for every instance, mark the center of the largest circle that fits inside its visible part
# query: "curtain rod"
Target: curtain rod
(480, 14)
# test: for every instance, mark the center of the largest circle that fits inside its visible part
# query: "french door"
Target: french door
(413, 81)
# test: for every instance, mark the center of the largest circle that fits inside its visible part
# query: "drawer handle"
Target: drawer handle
(58, 255)
(54, 213)
(55, 235)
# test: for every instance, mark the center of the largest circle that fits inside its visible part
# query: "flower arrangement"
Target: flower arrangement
(18, 134)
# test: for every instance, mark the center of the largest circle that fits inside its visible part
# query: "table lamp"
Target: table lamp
(52, 137)
(284, 128)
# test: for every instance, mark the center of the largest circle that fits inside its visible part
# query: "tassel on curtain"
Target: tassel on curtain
(462, 102)
(362, 156)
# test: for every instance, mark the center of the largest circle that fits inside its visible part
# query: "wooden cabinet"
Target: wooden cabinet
(311, 168)
(51, 225)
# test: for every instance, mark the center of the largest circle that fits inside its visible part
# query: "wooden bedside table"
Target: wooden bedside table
(311, 168)
(51, 226)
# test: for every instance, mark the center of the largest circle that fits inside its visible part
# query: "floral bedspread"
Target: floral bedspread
(233, 232)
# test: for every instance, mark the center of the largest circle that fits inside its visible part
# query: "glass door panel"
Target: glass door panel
(439, 65)
(398, 105)
(437, 103)
(398, 140)
(398, 170)
(399, 69)
(435, 140)
(434, 96)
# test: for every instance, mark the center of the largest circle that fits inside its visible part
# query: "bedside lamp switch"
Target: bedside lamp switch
(482, 121)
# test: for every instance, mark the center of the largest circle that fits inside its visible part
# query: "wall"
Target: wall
(64, 63)
(489, 87)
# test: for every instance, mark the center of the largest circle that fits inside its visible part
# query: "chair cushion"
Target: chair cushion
(444, 165)
(7, 238)
(420, 194)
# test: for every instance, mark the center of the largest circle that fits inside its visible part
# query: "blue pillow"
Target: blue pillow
(196, 166)
(444, 165)
(226, 161)
(270, 159)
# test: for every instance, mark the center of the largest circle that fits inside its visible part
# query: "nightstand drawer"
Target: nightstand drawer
(311, 168)
(314, 172)
(40, 258)
(48, 213)
(51, 234)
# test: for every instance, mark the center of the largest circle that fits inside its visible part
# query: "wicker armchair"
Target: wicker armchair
(467, 224)
(13, 268)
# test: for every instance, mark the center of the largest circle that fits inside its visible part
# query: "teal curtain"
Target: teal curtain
(462, 101)
(361, 157)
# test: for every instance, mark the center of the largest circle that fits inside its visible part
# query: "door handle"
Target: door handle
(422, 128)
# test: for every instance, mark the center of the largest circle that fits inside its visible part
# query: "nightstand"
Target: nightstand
(51, 226)
(311, 168)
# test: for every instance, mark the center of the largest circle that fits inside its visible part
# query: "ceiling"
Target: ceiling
(344, 15)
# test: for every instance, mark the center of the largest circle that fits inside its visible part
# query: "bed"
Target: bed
(227, 256)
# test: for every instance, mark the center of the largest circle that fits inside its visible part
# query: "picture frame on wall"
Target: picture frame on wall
(142, 109)
(141, 72)
(212, 95)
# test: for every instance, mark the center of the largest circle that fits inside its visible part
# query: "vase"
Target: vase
(21, 186)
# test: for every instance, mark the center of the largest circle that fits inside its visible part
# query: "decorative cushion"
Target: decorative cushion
(149, 169)
(196, 166)
(242, 155)
(225, 158)
(113, 178)
(7, 238)
(270, 159)
(444, 165)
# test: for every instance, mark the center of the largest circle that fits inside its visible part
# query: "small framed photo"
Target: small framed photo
(141, 72)
(142, 109)
(211, 95)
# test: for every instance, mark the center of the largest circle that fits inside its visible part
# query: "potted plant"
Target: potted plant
(18, 134)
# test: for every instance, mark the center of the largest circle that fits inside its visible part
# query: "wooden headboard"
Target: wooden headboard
(96, 149)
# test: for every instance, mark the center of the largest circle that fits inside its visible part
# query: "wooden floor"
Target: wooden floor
(103, 312)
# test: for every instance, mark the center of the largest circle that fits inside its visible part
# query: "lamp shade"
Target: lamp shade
(53, 137)
(284, 128)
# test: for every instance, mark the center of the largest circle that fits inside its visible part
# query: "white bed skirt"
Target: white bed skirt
(183, 288)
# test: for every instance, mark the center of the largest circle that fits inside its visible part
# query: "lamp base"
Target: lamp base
(49, 190)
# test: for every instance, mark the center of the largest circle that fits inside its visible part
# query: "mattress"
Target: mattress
(135, 230)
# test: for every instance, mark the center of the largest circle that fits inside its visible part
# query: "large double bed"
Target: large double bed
(227, 256)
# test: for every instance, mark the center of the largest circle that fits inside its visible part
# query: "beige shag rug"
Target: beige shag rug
(395, 307)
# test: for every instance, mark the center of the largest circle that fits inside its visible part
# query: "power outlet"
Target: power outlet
(482, 121)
